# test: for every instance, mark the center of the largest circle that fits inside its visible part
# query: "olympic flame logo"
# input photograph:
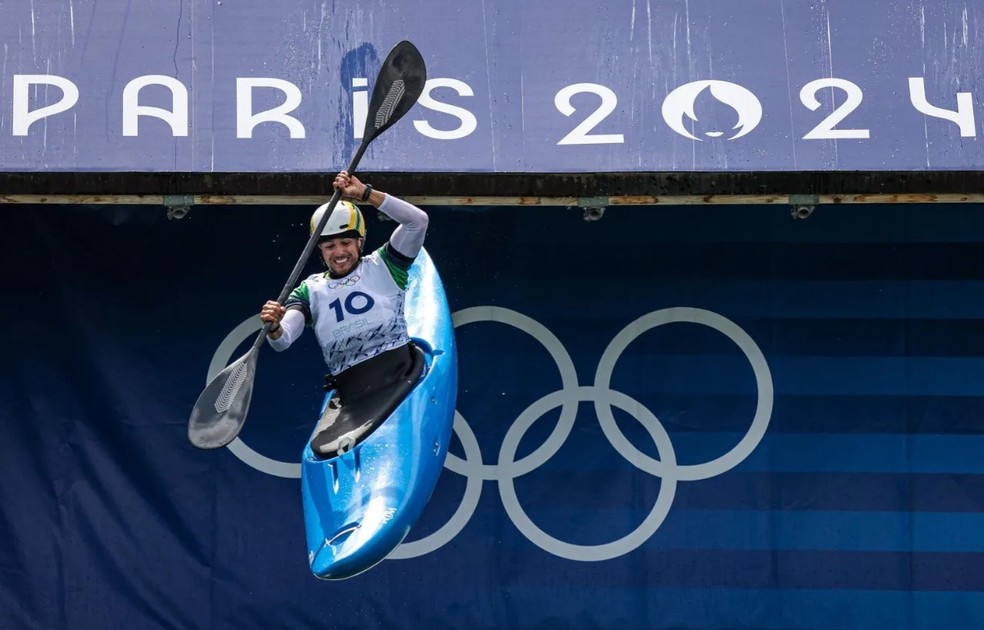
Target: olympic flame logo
(682, 102)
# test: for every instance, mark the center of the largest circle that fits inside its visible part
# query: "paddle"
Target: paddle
(220, 411)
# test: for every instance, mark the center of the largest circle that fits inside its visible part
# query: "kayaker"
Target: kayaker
(356, 307)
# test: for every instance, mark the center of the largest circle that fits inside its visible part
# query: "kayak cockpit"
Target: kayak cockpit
(346, 423)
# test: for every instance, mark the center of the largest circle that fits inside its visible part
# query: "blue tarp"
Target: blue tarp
(787, 431)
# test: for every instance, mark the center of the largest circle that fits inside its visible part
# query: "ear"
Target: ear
(362, 243)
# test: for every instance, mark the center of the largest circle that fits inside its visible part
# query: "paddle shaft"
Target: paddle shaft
(312, 241)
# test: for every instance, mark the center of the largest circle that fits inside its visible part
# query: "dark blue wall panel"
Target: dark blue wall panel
(860, 505)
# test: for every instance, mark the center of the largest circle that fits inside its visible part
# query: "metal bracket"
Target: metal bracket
(178, 206)
(802, 206)
(593, 207)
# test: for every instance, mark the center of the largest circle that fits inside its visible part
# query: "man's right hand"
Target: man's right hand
(273, 312)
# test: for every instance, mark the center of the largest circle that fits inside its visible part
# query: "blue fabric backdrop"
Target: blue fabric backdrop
(854, 501)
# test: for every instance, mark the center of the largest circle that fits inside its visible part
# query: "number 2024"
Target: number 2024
(827, 129)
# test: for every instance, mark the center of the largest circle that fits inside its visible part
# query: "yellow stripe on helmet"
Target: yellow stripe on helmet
(353, 221)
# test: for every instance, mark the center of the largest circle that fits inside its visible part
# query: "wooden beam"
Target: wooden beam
(432, 200)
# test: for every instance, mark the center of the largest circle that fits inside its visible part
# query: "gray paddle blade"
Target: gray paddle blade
(220, 411)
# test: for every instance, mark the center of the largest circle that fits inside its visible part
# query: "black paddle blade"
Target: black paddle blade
(220, 410)
(398, 86)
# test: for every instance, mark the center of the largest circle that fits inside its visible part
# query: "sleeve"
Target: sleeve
(300, 299)
(408, 237)
(292, 324)
(397, 264)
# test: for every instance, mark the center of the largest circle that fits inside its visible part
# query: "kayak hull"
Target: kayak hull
(360, 505)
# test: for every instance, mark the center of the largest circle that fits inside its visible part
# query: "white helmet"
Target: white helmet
(345, 220)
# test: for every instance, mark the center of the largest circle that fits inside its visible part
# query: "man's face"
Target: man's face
(341, 254)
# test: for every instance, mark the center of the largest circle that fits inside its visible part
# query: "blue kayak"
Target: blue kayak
(360, 504)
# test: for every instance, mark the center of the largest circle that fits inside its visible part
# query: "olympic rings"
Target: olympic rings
(604, 398)
(571, 394)
(348, 281)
